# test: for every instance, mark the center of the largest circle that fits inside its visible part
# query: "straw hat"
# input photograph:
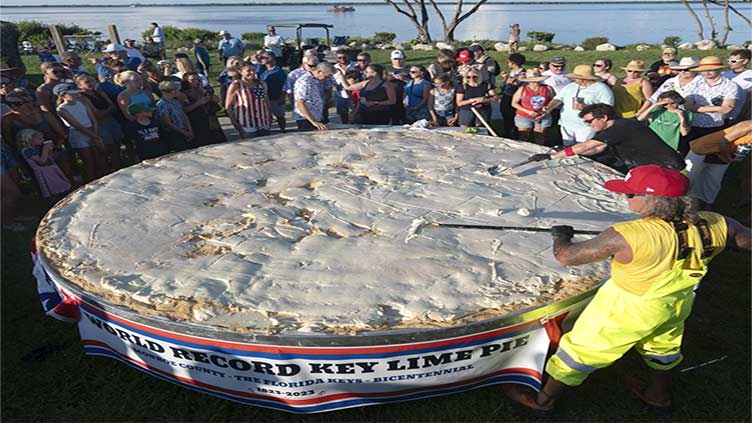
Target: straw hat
(532, 75)
(686, 63)
(635, 65)
(709, 63)
(583, 72)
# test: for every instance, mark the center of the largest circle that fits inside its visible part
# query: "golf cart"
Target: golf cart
(292, 54)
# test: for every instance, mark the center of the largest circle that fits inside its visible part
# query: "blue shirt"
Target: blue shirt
(275, 79)
(231, 47)
(111, 89)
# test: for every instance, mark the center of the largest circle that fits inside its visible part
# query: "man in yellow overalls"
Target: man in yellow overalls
(656, 261)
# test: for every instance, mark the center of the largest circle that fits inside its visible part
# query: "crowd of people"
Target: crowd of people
(137, 105)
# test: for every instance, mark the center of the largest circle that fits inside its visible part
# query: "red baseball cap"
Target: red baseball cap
(651, 180)
(464, 56)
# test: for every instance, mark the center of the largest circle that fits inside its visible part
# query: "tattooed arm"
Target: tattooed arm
(608, 243)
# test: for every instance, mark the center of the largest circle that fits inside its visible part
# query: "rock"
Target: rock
(353, 44)
(686, 46)
(379, 46)
(734, 47)
(441, 45)
(425, 47)
(388, 47)
(706, 45)
(562, 47)
(501, 47)
(567, 48)
(365, 46)
(605, 47)
(579, 48)
(398, 47)
(523, 48)
(642, 47)
(182, 49)
(540, 47)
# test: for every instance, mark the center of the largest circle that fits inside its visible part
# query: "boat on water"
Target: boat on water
(340, 9)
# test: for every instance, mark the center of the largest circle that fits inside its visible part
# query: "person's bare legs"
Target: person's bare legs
(543, 401)
(9, 193)
(523, 134)
(539, 134)
(89, 158)
(658, 390)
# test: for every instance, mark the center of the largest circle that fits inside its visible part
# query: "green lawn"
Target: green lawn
(46, 377)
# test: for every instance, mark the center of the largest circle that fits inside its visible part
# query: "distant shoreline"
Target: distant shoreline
(371, 3)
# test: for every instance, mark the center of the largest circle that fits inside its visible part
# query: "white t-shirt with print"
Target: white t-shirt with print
(704, 94)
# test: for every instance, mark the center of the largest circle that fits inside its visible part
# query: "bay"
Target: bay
(572, 23)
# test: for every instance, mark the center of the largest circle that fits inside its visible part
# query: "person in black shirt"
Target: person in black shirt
(144, 131)
(660, 70)
(621, 144)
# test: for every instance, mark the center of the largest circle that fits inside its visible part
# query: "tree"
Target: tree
(457, 19)
(419, 18)
(417, 12)
(726, 25)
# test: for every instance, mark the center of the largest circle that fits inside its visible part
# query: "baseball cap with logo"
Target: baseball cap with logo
(464, 57)
(558, 60)
(651, 180)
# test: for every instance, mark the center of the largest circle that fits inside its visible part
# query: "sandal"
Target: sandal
(526, 397)
(637, 387)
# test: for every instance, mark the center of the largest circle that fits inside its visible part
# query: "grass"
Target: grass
(46, 377)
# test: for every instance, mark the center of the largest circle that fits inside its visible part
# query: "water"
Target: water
(621, 23)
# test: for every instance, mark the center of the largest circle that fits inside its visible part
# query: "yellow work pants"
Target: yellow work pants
(615, 321)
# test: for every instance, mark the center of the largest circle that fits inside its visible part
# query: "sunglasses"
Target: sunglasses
(414, 72)
(588, 121)
(734, 61)
(472, 77)
(558, 66)
(630, 196)
(685, 70)
(597, 65)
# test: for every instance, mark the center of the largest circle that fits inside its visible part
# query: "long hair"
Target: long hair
(673, 209)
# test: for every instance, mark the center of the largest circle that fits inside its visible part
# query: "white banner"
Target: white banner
(315, 379)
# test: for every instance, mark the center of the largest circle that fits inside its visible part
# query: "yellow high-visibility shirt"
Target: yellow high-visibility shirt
(655, 247)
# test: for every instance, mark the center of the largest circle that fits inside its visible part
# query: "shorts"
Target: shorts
(571, 136)
(522, 122)
(110, 131)
(277, 107)
(416, 115)
(468, 118)
(305, 125)
(78, 139)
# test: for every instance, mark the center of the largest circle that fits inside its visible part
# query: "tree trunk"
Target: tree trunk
(713, 31)
(726, 25)
(736, 12)
(420, 23)
(458, 18)
(700, 30)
